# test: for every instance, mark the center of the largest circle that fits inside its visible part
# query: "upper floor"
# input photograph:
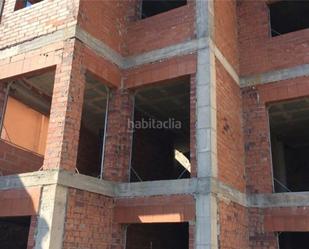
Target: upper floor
(247, 32)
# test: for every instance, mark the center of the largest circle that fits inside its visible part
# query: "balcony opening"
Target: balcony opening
(25, 123)
(158, 236)
(161, 139)
(293, 240)
(92, 132)
(14, 232)
(21, 4)
(289, 122)
(288, 16)
(154, 7)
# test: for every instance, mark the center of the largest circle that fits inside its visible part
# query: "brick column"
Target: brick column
(118, 137)
(66, 110)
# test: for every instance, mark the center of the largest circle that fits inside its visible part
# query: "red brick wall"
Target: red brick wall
(25, 202)
(289, 219)
(230, 144)
(259, 52)
(66, 109)
(118, 136)
(40, 19)
(257, 142)
(256, 128)
(155, 209)
(37, 60)
(32, 231)
(15, 160)
(89, 222)
(101, 67)
(162, 30)
(258, 237)
(226, 37)
(159, 71)
(233, 220)
(107, 20)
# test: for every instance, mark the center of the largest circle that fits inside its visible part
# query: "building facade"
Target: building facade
(129, 124)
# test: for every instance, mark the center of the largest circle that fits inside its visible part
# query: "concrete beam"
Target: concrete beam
(193, 186)
(184, 48)
(87, 183)
(27, 180)
(99, 47)
(276, 75)
(224, 62)
(41, 41)
(171, 187)
(279, 200)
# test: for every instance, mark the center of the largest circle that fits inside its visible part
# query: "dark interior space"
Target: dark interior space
(288, 16)
(20, 4)
(293, 240)
(154, 7)
(14, 232)
(289, 122)
(158, 236)
(161, 139)
(91, 140)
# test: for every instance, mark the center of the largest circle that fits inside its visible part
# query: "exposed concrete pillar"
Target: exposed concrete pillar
(206, 204)
(51, 220)
(66, 110)
(119, 136)
(206, 222)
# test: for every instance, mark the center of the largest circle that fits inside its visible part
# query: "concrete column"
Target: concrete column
(206, 222)
(119, 136)
(206, 148)
(66, 110)
(51, 221)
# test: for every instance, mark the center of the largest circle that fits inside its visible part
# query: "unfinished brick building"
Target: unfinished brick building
(74, 74)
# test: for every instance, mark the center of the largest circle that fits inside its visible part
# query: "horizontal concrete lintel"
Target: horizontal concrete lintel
(38, 42)
(87, 183)
(275, 75)
(182, 186)
(279, 200)
(28, 180)
(184, 48)
(191, 186)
